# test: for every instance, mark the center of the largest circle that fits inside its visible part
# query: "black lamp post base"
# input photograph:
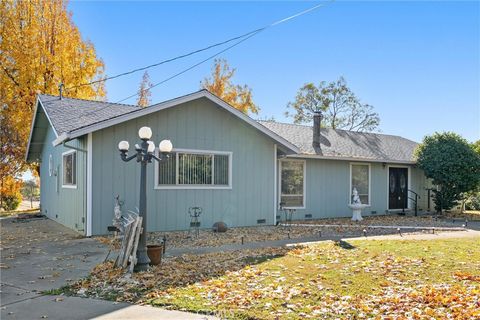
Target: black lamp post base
(143, 262)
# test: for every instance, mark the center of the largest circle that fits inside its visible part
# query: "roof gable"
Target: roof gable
(72, 118)
(69, 114)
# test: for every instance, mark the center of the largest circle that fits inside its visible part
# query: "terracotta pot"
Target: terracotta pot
(154, 252)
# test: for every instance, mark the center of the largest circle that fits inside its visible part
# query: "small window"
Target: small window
(360, 180)
(195, 169)
(70, 169)
(292, 186)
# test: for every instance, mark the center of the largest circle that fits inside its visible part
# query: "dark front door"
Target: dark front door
(397, 188)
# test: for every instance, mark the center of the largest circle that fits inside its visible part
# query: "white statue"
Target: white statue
(356, 206)
(355, 198)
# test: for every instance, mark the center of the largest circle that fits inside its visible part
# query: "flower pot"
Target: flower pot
(154, 252)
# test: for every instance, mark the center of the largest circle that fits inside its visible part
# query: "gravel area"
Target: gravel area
(207, 238)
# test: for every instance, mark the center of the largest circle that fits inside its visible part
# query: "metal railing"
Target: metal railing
(414, 197)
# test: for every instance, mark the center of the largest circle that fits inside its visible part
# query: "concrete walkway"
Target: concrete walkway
(75, 308)
(39, 255)
(424, 236)
(468, 233)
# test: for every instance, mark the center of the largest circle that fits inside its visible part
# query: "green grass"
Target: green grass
(292, 284)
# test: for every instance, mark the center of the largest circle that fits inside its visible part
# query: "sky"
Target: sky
(417, 63)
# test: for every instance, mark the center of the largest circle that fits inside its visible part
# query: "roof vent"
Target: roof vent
(317, 120)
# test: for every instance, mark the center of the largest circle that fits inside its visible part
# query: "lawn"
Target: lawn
(363, 279)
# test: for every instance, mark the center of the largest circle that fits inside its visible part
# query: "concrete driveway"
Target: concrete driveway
(38, 255)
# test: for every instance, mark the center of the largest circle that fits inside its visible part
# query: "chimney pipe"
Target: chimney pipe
(317, 120)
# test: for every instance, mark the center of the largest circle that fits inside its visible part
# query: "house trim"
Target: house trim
(32, 126)
(409, 186)
(174, 102)
(275, 204)
(203, 186)
(369, 181)
(313, 156)
(89, 184)
(304, 182)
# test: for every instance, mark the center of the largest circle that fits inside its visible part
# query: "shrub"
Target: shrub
(452, 164)
(11, 202)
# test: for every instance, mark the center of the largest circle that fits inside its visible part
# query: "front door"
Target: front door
(397, 188)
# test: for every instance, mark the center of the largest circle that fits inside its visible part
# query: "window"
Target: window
(360, 180)
(69, 169)
(200, 169)
(292, 184)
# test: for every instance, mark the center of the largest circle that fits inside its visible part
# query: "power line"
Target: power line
(245, 37)
(166, 61)
(189, 68)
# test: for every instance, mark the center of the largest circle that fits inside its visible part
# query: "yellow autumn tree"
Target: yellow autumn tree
(220, 83)
(40, 47)
(144, 92)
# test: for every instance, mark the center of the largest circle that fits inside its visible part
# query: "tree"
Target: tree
(10, 195)
(30, 190)
(453, 166)
(40, 48)
(143, 92)
(220, 84)
(341, 107)
(476, 146)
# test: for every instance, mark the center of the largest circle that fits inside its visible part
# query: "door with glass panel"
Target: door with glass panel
(397, 188)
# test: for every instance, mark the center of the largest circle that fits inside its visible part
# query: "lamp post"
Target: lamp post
(144, 154)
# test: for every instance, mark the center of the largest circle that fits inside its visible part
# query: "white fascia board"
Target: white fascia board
(177, 101)
(313, 156)
(61, 139)
(32, 126)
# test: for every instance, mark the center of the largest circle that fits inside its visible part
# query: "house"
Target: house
(237, 169)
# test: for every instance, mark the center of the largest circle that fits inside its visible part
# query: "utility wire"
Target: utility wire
(190, 68)
(165, 61)
(245, 37)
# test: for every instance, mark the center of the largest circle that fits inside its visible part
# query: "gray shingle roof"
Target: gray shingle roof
(70, 114)
(346, 144)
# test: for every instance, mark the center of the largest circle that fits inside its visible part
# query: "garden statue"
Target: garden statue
(117, 214)
(356, 206)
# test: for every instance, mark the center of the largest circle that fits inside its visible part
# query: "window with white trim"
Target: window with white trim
(195, 168)
(360, 180)
(70, 169)
(292, 183)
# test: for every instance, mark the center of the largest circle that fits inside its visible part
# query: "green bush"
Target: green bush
(11, 202)
(452, 164)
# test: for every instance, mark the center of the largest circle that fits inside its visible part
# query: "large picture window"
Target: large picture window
(360, 180)
(69, 164)
(292, 183)
(201, 169)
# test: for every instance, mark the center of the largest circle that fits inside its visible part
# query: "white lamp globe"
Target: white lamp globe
(165, 146)
(123, 146)
(151, 147)
(145, 133)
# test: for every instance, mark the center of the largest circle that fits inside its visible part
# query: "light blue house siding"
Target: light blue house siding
(198, 125)
(327, 186)
(64, 205)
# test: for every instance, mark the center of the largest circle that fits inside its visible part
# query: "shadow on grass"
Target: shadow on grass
(344, 244)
